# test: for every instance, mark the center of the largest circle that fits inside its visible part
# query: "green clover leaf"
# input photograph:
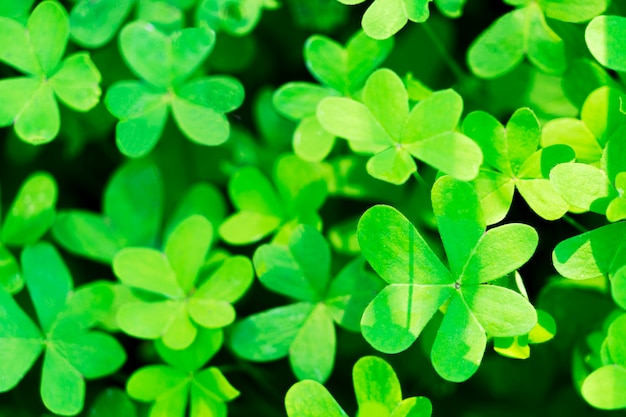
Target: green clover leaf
(165, 63)
(30, 216)
(377, 390)
(512, 161)
(603, 36)
(521, 32)
(341, 71)
(113, 402)
(384, 125)
(185, 300)
(132, 212)
(17, 10)
(419, 283)
(72, 352)
(304, 330)
(385, 18)
(171, 386)
(235, 18)
(263, 209)
(30, 102)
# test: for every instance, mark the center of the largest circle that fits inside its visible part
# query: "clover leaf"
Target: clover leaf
(165, 63)
(341, 72)
(72, 352)
(235, 18)
(600, 190)
(384, 125)
(132, 210)
(384, 18)
(171, 386)
(420, 284)
(37, 49)
(185, 298)
(521, 32)
(263, 209)
(377, 389)
(513, 162)
(113, 402)
(603, 36)
(30, 216)
(303, 330)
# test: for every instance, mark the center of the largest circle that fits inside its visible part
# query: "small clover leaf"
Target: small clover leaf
(184, 301)
(113, 402)
(172, 386)
(72, 352)
(30, 102)
(521, 32)
(132, 212)
(385, 18)
(603, 36)
(512, 161)
(573, 11)
(165, 63)
(384, 125)
(237, 18)
(263, 209)
(377, 390)
(341, 72)
(304, 330)
(419, 283)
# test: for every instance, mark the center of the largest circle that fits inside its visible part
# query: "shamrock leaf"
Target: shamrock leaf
(377, 389)
(303, 330)
(132, 211)
(72, 352)
(184, 299)
(30, 102)
(30, 216)
(384, 18)
(521, 32)
(341, 72)
(573, 11)
(513, 162)
(165, 63)
(263, 209)
(171, 386)
(603, 36)
(385, 126)
(235, 18)
(451, 8)
(419, 283)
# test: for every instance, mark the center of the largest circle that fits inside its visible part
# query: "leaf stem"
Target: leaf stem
(447, 58)
(420, 180)
(575, 224)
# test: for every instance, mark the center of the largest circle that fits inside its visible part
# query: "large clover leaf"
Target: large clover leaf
(132, 212)
(419, 284)
(304, 330)
(72, 352)
(184, 298)
(165, 63)
(30, 102)
(384, 125)
(513, 162)
(341, 72)
(377, 389)
(171, 386)
(263, 209)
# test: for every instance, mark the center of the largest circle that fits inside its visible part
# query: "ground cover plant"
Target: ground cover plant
(310, 208)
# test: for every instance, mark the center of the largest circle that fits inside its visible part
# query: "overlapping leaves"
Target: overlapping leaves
(419, 284)
(36, 49)
(304, 330)
(385, 126)
(377, 389)
(72, 351)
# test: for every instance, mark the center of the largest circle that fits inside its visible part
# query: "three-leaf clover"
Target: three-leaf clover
(30, 102)
(420, 284)
(304, 330)
(31, 214)
(341, 72)
(377, 390)
(170, 386)
(182, 298)
(262, 209)
(384, 125)
(513, 162)
(165, 63)
(72, 352)
(132, 209)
